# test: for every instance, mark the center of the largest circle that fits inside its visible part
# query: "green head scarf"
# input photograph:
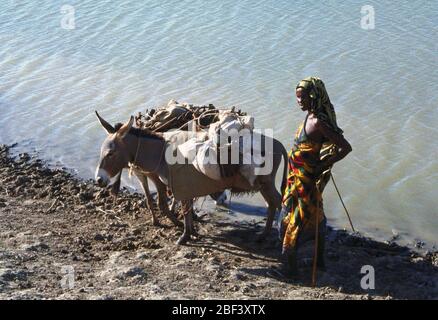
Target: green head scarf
(321, 105)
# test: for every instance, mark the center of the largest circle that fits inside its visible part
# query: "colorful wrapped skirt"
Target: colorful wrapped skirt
(302, 199)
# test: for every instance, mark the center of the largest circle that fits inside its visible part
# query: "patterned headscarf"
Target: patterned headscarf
(321, 105)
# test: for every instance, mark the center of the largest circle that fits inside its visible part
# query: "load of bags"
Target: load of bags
(221, 143)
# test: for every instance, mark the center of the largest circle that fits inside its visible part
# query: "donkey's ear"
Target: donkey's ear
(123, 131)
(108, 128)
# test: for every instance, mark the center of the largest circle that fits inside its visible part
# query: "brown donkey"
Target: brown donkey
(145, 151)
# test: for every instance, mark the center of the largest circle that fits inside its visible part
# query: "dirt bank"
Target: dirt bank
(64, 238)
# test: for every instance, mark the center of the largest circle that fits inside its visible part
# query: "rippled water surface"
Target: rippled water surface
(126, 56)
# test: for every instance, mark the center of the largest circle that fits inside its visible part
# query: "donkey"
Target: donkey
(145, 150)
(114, 161)
(218, 197)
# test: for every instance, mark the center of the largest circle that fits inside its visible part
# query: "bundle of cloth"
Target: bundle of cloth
(226, 149)
(177, 116)
(219, 140)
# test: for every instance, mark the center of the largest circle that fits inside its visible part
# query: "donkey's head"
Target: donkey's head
(114, 153)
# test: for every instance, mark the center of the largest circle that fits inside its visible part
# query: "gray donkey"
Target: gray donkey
(145, 151)
(218, 197)
(142, 178)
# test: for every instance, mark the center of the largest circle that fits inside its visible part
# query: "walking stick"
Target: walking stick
(346, 211)
(315, 257)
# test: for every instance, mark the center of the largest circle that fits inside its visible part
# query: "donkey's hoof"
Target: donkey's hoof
(183, 240)
(174, 219)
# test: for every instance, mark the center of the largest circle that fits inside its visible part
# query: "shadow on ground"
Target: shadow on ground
(399, 272)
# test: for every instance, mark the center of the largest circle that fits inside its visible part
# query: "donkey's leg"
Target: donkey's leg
(273, 199)
(162, 201)
(115, 188)
(149, 200)
(192, 220)
(173, 204)
(187, 207)
(219, 197)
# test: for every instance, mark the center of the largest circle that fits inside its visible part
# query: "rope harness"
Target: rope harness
(133, 166)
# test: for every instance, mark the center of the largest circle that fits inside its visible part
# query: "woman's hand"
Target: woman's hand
(320, 168)
(343, 146)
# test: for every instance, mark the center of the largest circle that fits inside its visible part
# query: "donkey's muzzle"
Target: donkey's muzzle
(103, 179)
(100, 182)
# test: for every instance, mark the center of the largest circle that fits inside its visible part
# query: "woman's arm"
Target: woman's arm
(341, 143)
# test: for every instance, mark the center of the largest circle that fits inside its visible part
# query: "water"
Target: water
(125, 56)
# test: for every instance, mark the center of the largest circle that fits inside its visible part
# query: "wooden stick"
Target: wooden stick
(53, 204)
(315, 258)
(108, 213)
(346, 211)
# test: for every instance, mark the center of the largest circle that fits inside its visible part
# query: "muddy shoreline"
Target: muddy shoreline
(64, 238)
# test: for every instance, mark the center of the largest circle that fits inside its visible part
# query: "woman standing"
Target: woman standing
(302, 199)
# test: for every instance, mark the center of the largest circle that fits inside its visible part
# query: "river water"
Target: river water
(120, 57)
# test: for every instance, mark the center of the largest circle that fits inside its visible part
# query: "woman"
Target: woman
(302, 200)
